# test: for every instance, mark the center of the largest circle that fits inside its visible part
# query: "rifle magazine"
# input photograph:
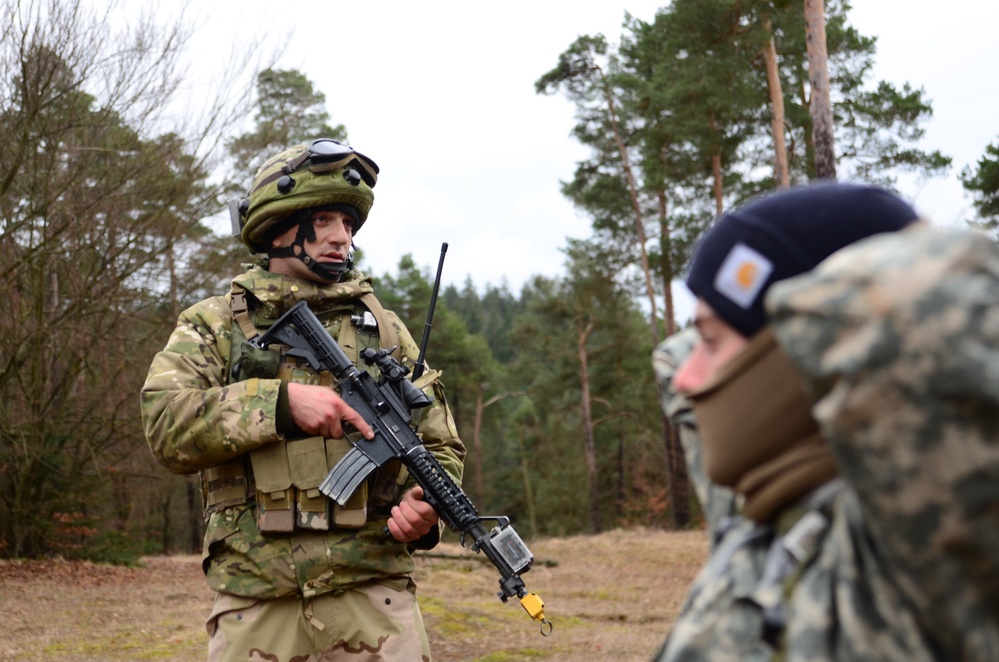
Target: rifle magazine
(346, 476)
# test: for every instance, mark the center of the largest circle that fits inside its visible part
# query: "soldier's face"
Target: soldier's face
(334, 231)
(718, 343)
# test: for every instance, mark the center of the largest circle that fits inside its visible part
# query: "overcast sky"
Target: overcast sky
(441, 95)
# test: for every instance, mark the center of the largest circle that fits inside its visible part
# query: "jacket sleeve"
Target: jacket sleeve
(898, 339)
(192, 419)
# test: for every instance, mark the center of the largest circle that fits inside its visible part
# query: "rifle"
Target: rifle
(385, 404)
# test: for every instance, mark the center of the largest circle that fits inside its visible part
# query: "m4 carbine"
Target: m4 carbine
(385, 404)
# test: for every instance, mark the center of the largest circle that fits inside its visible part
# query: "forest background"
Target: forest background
(112, 175)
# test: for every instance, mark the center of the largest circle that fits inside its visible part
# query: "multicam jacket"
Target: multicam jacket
(897, 338)
(196, 420)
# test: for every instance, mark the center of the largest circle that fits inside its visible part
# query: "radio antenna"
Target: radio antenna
(418, 370)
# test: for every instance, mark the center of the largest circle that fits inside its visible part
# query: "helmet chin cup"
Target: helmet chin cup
(328, 271)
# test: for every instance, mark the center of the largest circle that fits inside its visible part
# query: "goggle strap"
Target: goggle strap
(370, 167)
(327, 166)
(296, 163)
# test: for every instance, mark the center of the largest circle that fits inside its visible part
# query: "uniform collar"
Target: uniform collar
(276, 293)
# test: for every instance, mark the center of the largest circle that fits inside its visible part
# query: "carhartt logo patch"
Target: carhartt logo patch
(743, 274)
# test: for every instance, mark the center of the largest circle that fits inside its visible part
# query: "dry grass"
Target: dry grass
(610, 597)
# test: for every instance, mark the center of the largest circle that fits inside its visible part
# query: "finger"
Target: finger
(413, 498)
(395, 531)
(399, 522)
(418, 516)
(351, 416)
(410, 519)
(420, 511)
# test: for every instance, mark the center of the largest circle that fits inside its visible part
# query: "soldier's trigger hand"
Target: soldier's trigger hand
(318, 410)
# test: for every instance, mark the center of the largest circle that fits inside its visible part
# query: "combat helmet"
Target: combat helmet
(290, 186)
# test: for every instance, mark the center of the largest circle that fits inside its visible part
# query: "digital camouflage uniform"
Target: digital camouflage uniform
(897, 338)
(196, 420)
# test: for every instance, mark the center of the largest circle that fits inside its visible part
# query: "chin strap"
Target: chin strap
(328, 271)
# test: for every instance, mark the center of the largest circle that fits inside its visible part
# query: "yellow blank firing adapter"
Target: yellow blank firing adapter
(535, 607)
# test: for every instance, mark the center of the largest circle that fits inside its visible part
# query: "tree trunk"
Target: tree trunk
(676, 466)
(639, 222)
(622, 471)
(165, 524)
(588, 440)
(679, 483)
(480, 408)
(716, 171)
(781, 176)
(665, 243)
(808, 133)
(525, 472)
(818, 75)
(477, 444)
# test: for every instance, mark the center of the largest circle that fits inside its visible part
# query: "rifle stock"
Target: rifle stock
(385, 404)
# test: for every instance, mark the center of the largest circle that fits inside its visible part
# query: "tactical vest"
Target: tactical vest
(283, 478)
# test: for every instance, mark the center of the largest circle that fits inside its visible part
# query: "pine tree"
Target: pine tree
(983, 183)
(289, 110)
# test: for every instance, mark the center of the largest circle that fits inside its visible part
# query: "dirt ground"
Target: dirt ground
(609, 597)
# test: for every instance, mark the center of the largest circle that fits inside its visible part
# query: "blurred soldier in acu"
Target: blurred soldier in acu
(845, 386)
(297, 576)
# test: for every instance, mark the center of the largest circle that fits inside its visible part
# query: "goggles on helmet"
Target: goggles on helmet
(325, 154)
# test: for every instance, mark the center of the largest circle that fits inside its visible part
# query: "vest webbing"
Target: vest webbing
(231, 483)
(387, 335)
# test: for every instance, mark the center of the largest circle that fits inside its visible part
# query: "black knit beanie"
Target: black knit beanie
(782, 235)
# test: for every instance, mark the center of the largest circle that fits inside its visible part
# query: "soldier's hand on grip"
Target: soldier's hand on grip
(320, 411)
(413, 518)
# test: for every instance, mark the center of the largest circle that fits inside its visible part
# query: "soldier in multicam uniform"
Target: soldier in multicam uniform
(297, 576)
(855, 416)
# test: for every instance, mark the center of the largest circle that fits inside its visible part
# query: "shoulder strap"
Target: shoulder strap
(240, 308)
(387, 336)
(241, 331)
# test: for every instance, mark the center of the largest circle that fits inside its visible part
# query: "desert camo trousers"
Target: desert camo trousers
(375, 621)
